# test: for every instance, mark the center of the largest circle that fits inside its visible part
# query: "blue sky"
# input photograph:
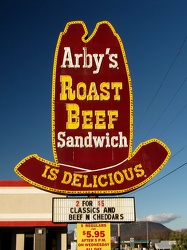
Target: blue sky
(154, 36)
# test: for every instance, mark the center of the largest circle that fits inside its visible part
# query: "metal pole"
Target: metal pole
(119, 236)
(147, 235)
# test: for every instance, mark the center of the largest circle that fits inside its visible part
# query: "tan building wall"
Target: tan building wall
(25, 203)
(26, 218)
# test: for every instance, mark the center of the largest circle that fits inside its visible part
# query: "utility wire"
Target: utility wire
(154, 97)
(173, 119)
(178, 152)
(140, 189)
(166, 107)
(163, 177)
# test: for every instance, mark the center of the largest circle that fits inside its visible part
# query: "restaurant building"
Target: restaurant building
(26, 219)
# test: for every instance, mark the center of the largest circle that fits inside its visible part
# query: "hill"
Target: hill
(141, 230)
(138, 230)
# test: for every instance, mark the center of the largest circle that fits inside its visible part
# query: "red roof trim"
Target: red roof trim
(30, 224)
(13, 183)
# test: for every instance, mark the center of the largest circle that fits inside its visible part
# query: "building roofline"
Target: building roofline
(31, 224)
(14, 183)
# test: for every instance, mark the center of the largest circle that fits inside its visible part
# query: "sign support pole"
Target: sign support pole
(119, 237)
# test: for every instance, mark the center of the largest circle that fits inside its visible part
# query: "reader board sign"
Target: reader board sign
(93, 210)
(93, 236)
(92, 120)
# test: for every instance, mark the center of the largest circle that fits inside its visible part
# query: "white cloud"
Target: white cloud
(160, 218)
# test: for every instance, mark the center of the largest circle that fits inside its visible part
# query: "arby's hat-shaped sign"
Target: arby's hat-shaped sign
(92, 120)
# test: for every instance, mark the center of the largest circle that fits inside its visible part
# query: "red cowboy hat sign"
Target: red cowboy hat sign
(92, 120)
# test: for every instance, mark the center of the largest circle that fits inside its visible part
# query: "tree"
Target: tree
(181, 240)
